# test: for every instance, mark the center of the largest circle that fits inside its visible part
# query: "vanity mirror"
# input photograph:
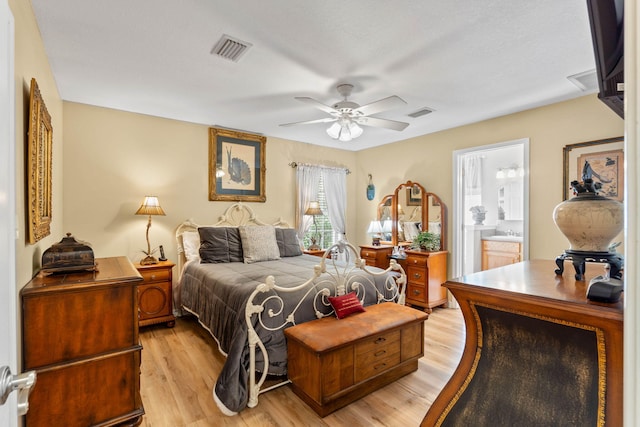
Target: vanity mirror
(414, 210)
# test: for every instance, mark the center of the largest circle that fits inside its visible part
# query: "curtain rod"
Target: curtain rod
(296, 164)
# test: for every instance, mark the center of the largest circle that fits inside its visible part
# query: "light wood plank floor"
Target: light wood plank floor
(180, 366)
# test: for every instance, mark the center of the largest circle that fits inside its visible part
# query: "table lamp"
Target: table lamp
(150, 206)
(314, 210)
(375, 230)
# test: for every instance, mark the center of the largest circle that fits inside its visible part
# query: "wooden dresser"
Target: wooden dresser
(155, 294)
(426, 272)
(80, 335)
(333, 362)
(537, 352)
(376, 256)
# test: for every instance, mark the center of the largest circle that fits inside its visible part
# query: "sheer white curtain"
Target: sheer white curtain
(472, 174)
(307, 181)
(335, 190)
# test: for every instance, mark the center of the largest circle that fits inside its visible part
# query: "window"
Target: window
(326, 236)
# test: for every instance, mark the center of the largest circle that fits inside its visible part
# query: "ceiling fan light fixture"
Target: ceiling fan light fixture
(334, 130)
(344, 130)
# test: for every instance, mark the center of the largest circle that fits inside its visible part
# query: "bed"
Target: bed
(246, 281)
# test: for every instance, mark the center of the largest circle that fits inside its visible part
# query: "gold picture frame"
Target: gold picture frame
(236, 166)
(414, 196)
(606, 159)
(39, 165)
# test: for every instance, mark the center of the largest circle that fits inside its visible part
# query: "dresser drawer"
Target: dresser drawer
(416, 293)
(416, 274)
(155, 275)
(376, 354)
(375, 343)
(364, 253)
(417, 261)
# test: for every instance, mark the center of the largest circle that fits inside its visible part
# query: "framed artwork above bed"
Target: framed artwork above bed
(236, 166)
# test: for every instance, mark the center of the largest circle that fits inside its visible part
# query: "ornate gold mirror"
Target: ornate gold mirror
(414, 210)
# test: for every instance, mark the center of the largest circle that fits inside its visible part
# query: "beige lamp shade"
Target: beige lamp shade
(313, 209)
(150, 206)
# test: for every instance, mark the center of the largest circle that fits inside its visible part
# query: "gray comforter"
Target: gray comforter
(218, 293)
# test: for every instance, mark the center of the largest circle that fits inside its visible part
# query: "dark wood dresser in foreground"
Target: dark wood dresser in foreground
(80, 334)
(537, 352)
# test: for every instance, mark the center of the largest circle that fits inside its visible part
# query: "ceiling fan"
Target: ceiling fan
(347, 115)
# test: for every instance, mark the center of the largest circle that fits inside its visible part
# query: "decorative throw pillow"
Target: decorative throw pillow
(259, 243)
(345, 305)
(288, 242)
(191, 245)
(220, 244)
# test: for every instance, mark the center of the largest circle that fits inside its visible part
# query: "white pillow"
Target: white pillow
(259, 243)
(410, 230)
(191, 245)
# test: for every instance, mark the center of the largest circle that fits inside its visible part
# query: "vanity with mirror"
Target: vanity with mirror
(403, 215)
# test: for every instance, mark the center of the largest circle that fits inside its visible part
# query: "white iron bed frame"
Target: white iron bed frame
(342, 277)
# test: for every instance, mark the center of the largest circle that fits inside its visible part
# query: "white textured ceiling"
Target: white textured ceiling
(469, 60)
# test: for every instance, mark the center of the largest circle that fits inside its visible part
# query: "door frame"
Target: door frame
(458, 198)
(8, 301)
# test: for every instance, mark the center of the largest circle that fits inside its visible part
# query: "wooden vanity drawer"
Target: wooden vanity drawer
(416, 293)
(417, 261)
(155, 275)
(415, 274)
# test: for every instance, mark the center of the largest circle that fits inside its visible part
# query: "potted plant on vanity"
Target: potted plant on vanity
(427, 241)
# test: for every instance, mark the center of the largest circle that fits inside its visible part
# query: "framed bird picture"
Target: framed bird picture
(236, 166)
(602, 161)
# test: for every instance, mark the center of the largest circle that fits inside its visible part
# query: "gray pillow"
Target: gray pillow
(220, 244)
(288, 242)
(259, 243)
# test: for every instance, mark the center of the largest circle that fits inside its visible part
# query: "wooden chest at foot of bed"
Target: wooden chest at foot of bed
(333, 362)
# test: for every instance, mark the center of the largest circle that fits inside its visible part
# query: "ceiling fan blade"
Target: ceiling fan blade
(388, 103)
(319, 105)
(382, 123)
(308, 122)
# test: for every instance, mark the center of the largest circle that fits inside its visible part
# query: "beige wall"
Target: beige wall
(31, 62)
(429, 160)
(114, 158)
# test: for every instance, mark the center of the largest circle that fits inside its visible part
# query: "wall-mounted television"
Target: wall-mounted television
(607, 32)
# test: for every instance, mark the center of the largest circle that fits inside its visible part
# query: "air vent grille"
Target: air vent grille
(421, 112)
(586, 81)
(230, 48)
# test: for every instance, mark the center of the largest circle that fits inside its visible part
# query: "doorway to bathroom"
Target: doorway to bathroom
(491, 199)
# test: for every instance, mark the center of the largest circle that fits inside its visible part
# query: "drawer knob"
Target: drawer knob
(417, 275)
(416, 292)
(153, 277)
(380, 340)
(380, 353)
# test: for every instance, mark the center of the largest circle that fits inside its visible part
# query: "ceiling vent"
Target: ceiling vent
(230, 48)
(586, 81)
(421, 112)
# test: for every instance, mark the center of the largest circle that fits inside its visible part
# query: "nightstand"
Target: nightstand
(155, 294)
(376, 255)
(318, 252)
